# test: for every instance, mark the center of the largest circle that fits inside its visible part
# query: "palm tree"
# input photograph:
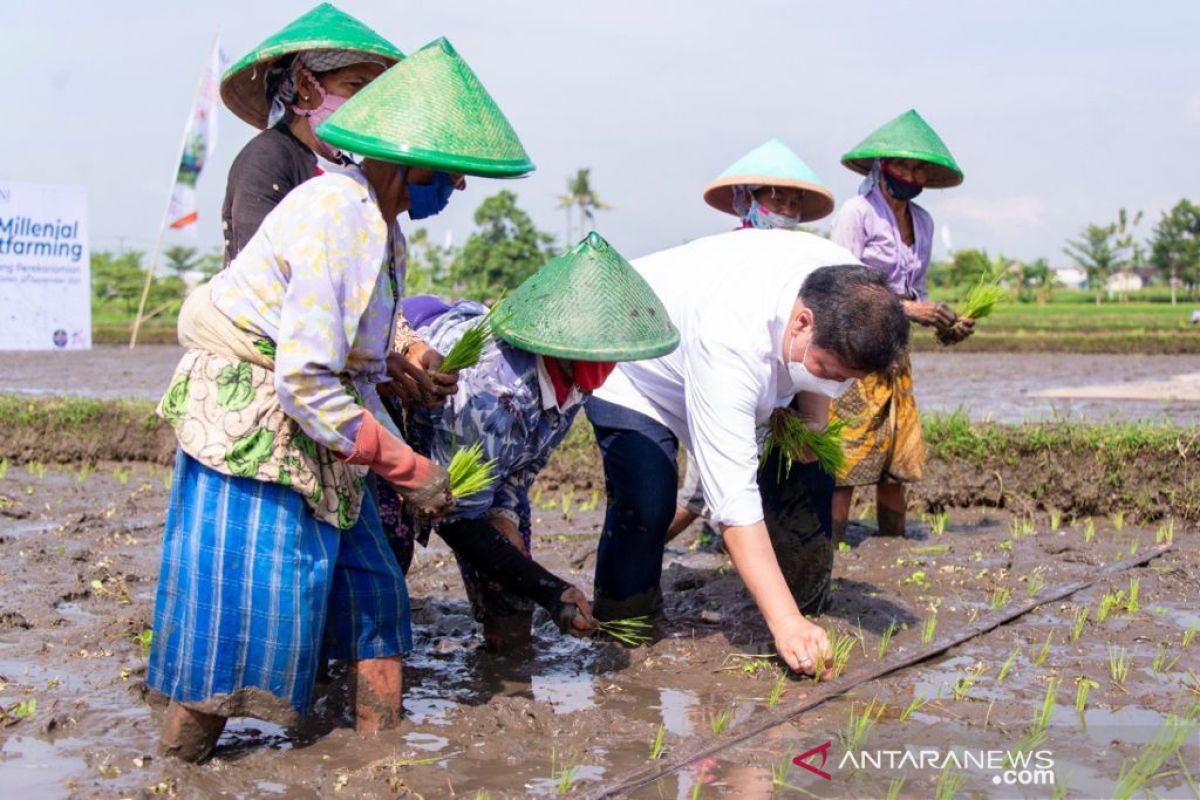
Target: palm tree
(581, 195)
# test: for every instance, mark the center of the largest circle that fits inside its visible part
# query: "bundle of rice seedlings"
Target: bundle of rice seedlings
(629, 631)
(983, 297)
(788, 433)
(467, 350)
(469, 473)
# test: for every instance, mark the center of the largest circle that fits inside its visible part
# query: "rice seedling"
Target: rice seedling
(85, 472)
(469, 472)
(1133, 547)
(777, 690)
(568, 500)
(1131, 600)
(779, 772)
(913, 706)
(885, 641)
(1110, 601)
(1040, 658)
(1165, 533)
(1089, 530)
(841, 645)
(1134, 779)
(1007, 544)
(1118, 521)
(144, 639)
(659, 744)
(3, 469)
(1118, 665)
(860, 725)
(1000, 597)
(788, 433)
(949, 783)
(563, 774)
(630, 631)
(919, 579)
(469, 348)
(26, 709)
(1041, 719)
(720, 721)
(843, 547)
(121, 475)
(930, 628)
(1082, 687)
(1081, 618)
(932, 550)
(36, 469)
(937, 522)
(1189, 635)
(1037, 582)
(1055, 520)
(894, 789)
(963, 685)
(983, 297)
(1162, 663)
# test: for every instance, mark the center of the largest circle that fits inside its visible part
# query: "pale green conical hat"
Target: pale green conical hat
(771, 164)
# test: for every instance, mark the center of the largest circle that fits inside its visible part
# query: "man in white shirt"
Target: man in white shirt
(767, 319)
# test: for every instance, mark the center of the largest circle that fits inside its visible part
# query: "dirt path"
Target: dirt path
(79, 556)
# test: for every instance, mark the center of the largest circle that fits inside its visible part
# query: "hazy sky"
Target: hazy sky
(1059, 113)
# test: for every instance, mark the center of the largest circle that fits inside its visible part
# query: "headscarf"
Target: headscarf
(872, 179)
(281, 77)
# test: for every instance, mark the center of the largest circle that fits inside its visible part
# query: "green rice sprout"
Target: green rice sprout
(469, 473)
(1118, 665)
(1037, 581)
(1041, 719)
(894, 789)
(630, 631)
(885, 641)
(779, 772)
(3, 469)
(659, 743)
(788, 433)
(913, 706)
(1131, 601)
(1165, 533)
(1040, 658)
(1118, 521)
(983, 297)
(1089, 530)
(841, 644)
(564, 775)
(1133, 547)
(1055, 520)
(1108, 603)
(949, 783)
(26, 709)
(930, 628)
(1189, 635)
(1082, 687)
(1134, 779)
(1161, 662)
(963, 685)
(467, 351)
(860, 725)
(777, 691)
(1000, 597)
(937, 523)
(720, 721)
(1007, 666)
(1081, 618)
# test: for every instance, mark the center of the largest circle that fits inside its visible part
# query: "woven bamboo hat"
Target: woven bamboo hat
(430, 110)
(243, 88)
(588, 304)
(907, 136)
(771, 164)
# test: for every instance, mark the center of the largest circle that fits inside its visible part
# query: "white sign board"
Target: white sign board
(45, 282)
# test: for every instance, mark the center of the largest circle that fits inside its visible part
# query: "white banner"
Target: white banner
(199, 139)
(45, 282)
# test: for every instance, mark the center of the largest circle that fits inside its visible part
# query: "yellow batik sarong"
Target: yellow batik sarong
(882, 437)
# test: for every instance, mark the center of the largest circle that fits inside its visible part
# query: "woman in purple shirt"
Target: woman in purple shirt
(891, 234)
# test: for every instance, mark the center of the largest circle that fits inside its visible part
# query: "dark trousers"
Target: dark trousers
(641, 478)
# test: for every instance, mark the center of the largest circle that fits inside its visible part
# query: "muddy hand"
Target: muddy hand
(432, 497)
(409, 383)
(802, 645)
(442, 384)
(579, 611)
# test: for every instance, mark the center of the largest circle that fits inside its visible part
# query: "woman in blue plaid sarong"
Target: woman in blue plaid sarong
(273, 550)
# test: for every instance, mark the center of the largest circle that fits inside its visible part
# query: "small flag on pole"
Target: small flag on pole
(199, 139)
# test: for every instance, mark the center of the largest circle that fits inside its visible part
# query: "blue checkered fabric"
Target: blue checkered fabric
(251, 584)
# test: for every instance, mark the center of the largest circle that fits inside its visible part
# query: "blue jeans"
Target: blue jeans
(641, 478)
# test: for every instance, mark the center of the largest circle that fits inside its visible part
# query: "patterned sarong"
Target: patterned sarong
(883, 438)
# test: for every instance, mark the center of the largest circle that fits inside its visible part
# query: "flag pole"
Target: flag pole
(162, 227)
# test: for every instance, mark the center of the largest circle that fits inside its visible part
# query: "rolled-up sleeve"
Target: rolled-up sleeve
(722, 387)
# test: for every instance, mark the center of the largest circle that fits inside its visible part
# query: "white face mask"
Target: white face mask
(760, 216)
(805, 381)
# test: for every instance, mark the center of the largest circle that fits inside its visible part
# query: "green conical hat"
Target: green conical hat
(907, 136)
(324, 28)
(771, 164)
(430, 110)
(589, 305)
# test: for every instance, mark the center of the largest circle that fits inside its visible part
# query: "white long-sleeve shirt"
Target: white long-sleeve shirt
(731, 296)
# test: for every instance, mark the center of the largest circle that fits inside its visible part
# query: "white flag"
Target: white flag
(199, 139)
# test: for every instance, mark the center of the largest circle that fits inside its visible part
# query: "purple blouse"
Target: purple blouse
(866, 227)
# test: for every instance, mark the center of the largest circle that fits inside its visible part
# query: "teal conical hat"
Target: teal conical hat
(588, 304)
(430, 110)
(907, 136)
(324, 28)
(771, 164)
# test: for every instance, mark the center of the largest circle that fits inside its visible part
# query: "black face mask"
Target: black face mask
(901, 190)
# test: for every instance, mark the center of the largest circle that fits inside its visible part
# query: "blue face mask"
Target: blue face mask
(759, 216)
(901, 190)
(425, 200)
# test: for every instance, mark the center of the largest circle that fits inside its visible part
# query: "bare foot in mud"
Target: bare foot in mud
(190, 735)
(378, 690)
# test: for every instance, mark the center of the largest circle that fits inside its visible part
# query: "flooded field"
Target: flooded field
(1001, 387)
(79, 550)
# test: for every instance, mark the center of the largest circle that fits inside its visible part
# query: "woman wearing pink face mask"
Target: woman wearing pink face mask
(287, 86)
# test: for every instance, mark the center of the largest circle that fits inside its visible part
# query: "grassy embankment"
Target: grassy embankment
(1076, 469)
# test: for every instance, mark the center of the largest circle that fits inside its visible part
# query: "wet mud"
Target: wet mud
(79, 552)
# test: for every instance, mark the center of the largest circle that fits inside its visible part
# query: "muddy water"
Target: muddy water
(995, 386)
(79, 555)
